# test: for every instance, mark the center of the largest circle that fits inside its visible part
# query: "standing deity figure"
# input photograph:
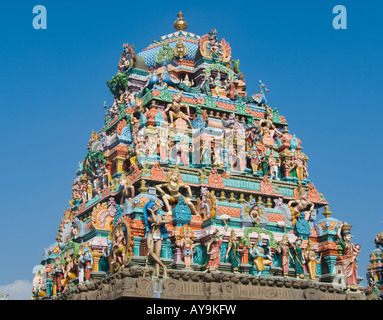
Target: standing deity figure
(155, 232)
(232, 252)
(127, 188)
(81, 264)
(260, 259)
(107, 252)
(173, 186)
(349, 255)
(231, 156)
(184, 149)
(311, 260)
(206, 152)
(89, 189)
(213, 251)
(232, 91)
(175, 109)
(298, 160)
(274, 164)
(302, 204)
(88, 260)
(299, 258)
(163, 138)
(187, 245)
(255, 160)
(284, 250)
(119, 248)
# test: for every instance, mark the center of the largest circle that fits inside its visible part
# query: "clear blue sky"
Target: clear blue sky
(326, 82)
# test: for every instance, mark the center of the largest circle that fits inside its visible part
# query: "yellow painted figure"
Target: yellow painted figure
(260, 260)
(311, 260)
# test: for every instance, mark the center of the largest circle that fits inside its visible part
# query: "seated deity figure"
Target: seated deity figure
(175, 109)
(218, 86)
(174, 185)
(268, 129)
(260, 259)
(302, 204)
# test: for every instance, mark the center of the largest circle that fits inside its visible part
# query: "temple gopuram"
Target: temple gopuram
(375, 269)
(194, 188)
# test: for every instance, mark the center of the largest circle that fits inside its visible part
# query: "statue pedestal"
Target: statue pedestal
(97, 275)
(244, 268)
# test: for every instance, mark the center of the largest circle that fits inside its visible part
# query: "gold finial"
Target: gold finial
(143, 188)
(232, 197)
(180, 24)
(241, 199)
(327, 213)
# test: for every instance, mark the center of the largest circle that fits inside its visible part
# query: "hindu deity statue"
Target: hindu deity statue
(108, 251)
(69, 270)
(274, 164)
(218, 87)
(155, 233)
(128, 191)
(213, 250)
(187, 245)
(232, 252)
(349, 254)
(119, 248)
(173, 185)
(298, 258)
(175, 112)
(284, 250)
(81, 264)
(88, 262)
(256, 213)
(310, 258)
(268, 129)
(301, 204)
(259, 258)
(126, 59)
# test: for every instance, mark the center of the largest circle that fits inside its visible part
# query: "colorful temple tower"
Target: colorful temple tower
(375, 269)
(192, 180)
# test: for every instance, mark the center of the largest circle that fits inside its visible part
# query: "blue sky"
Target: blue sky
(326, 82)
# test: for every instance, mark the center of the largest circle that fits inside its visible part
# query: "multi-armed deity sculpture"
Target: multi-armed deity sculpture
(189, 171)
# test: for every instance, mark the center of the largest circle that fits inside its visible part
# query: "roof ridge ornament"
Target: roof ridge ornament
(180, 24)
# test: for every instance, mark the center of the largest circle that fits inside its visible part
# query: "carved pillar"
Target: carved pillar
(120, 163)
(136, 245)
(96, 259)
(165, 250)
(177, 253)
(331, 261)
(245, 256)
(49, 284)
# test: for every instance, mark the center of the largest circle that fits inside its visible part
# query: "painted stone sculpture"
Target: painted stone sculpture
(182, 134)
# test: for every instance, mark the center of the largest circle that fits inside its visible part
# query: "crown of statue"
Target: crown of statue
(260, 238)
(346, 227)
(301, 190)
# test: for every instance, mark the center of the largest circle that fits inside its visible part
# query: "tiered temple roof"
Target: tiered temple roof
(183, 135)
